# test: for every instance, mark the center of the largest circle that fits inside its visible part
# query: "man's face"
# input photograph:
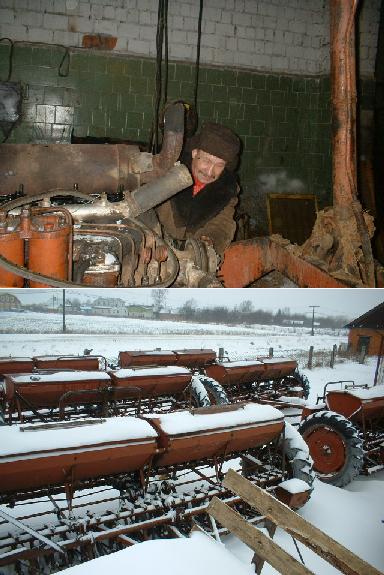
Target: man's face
(205, 167)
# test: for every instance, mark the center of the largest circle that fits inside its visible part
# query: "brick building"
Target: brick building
(368, 331)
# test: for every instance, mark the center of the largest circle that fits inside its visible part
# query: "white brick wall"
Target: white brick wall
(269, 35)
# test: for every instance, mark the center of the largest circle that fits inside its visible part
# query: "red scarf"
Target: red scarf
(197, 187)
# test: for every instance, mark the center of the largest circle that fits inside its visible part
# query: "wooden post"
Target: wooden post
(221, 353)
(270, 353)
(333, 356)
(310, 357)
(263, 546)
(323, 545)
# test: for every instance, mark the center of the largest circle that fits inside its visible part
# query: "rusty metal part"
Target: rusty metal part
(172, 142)
(88, 167)
(343, 236)
(11, 248)
(198, 264)
(338, 253)
(136, 202)
(50, 243)
(249, 260)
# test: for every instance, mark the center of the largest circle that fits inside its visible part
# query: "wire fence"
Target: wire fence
(312, 359)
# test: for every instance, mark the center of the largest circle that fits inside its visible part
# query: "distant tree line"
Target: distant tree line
(245, 313)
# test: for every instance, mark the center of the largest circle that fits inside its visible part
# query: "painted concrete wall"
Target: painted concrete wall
(269, 35)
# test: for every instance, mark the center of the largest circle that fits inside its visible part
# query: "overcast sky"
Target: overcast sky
(350, 303)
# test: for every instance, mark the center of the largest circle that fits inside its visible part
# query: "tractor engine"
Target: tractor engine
(84, 215)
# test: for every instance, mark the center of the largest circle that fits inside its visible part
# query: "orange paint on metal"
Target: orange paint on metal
(56, 467)
(152, 384)
(327, 449)
(12, 249)
(249, 260)
(49, 247)
(354, 408)
(202, 444)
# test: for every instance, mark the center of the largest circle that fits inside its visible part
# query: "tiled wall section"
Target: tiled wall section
(283, 121)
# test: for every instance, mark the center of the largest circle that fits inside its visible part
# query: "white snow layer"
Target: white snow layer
(190, 422)
(197, 555)
(16, 441)
(145, 371)
(61, 376)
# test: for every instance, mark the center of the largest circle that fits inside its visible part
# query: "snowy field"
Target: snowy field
(354, 516)
(38, 333)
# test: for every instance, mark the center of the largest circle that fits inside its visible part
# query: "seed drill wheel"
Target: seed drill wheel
(335, 446)
(297, 455)
(292, 455)
(215, 390)
(295, 380)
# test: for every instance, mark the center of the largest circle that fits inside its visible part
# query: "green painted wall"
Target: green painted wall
(283, 121)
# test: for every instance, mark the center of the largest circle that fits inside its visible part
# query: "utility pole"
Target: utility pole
(313, 317)
(64, 327)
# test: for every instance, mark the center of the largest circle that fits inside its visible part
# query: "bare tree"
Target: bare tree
(188, 310)
(159, 300)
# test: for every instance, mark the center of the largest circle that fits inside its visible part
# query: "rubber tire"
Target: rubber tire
(303, 381)
(298, 379)
(350, 437)
(297, 455)
(215, 390)
(198, 392)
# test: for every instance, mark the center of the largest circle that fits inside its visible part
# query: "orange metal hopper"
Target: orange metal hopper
(15, 365)
(237, 372)
(195, 357)
(356, 403)
(213, 432)
(36, 456)
(137, 358)
(153, 381)
(277, 367)
(46, 389)
(67, 362)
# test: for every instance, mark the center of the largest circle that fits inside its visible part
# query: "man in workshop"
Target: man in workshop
(206, 209)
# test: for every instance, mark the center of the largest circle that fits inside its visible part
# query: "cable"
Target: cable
(10, 57)
(197, 65)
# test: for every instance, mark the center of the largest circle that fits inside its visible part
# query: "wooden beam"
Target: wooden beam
(263, 546)
(326, 547)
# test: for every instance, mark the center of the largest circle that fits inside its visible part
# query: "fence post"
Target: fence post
(333, 356)
(310, 357)
(363, 353)
(221, 353)
(270, 352)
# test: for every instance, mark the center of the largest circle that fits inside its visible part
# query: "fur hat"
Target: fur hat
(219, 141)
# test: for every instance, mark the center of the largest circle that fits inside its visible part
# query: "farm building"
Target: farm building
(368, 331)
(9, 301)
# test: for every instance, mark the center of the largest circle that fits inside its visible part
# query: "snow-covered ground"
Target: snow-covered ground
(38, 334)
(353, 516)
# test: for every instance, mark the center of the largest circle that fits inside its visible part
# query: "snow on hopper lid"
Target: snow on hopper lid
(15, 441)
(245, 363)
(374, 392)
(144, 371)
(277, 359)
(8, 359)
(188, 422)
(60, 376)
(55, 357)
